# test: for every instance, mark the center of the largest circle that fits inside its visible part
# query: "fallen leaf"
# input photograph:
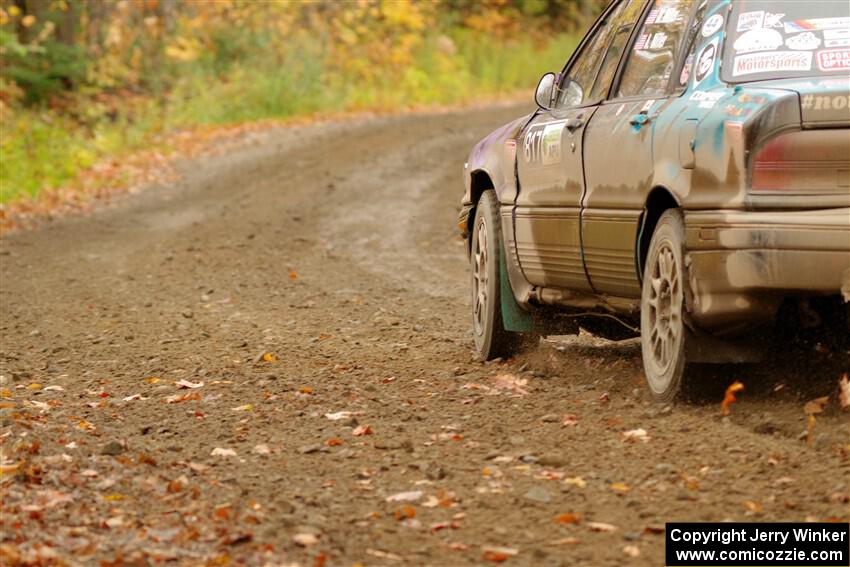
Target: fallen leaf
(269, 357)
(188, 384)
(510, 383)
(153, 380)
(134, 397)
(753, 507)
(410, 496)
(305, 539)
(34, 386)
(405, 513)
(177, 398)
(601, 527)
(729, 397)
(498, 554)
(361, 430)
(632, 550)
(636, 435)
(569, 420)
(567, 518)
(54, 389)
(221, 452)
(384, 554)
(246, 407)
(305, 390)
(620, 487)
(338, 415)
(334, 442)
(293, 275)
(262, 449)
(576, 481)
(816, 406)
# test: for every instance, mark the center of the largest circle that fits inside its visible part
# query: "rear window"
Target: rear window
(769, 40)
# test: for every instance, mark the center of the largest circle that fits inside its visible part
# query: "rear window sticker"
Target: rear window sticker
(836, 34)
(667, 15)
(712, 25)
(772, 20)
(760, 39)
(641, 42)
(834, 60)
(686, 70)
(705, 61)
(772, 61)
(658, 40)
(817, 24)
(836, 38)
(750, 20)
(650, 18)
(803, 41)
(706, 99)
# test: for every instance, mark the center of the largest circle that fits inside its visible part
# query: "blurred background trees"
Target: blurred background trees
(84, 78)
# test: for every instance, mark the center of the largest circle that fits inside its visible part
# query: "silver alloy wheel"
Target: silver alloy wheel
(479, 279)
(665, 308)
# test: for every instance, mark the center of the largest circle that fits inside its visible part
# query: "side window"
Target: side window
(579, 85)
(614, 53)
(653, 55)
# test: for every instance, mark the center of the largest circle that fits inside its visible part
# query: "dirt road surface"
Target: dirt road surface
(314, 284)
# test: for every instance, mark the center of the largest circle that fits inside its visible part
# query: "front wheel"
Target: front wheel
(662, 327)
(492, 340)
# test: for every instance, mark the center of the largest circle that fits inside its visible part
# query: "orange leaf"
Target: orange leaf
(333, 442)
(494, 556)
(305, 390)
(730, 398)
(361, 430)
(816, 405)
(292, 275)
(269, 357)
(405, 513)
(567, 518)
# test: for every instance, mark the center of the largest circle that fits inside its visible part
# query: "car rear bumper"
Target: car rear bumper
(743, 263)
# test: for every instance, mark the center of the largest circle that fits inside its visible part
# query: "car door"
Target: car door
(618, 156)
(549, 164)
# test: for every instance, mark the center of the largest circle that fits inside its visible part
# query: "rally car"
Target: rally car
(685, 175)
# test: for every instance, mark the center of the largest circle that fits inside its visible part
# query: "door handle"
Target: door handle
(574, 124)
(640, 120)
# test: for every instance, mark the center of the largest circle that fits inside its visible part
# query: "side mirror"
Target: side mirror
(545, 90)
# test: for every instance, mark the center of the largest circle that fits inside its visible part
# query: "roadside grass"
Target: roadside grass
(43, 149)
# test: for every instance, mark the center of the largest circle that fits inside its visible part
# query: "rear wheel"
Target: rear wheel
(491, 338)
(663, 332)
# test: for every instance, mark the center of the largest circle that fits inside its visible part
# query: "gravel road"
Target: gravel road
(269, 362)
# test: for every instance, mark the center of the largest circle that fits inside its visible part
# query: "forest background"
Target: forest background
(84, 83)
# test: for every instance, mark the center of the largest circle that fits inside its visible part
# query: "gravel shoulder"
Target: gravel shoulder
(313, 281)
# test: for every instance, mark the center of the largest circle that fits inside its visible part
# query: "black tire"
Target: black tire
(662, 309)
(491, 338)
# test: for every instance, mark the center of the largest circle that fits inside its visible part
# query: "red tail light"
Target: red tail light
(814, 161)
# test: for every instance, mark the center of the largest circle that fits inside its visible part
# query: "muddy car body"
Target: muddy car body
(685, 174)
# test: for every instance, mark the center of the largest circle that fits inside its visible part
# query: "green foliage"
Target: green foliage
(43, 70)
(125, 72)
